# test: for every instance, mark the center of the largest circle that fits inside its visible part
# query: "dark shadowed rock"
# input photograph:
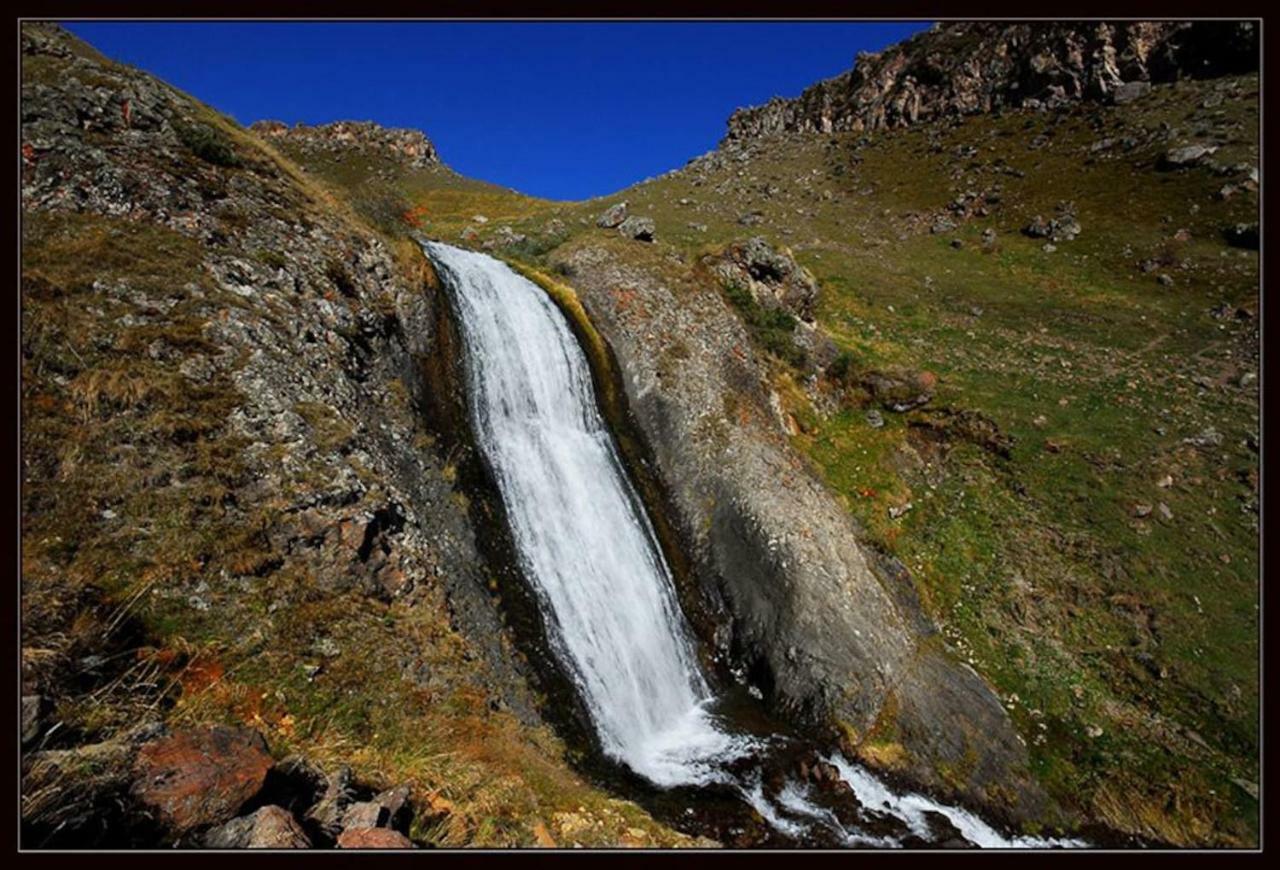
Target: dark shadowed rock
(271, 827)
(1243, 236)
(201, 777)
(33, 707)
(373, 838)
(339, 794)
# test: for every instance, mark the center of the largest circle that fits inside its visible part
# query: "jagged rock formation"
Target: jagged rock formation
(409, 147)
(965, 68)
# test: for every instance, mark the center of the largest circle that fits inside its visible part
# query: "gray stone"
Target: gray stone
(271, 827)
(1186, 156)
(1129, 92)
(639, 228)
(613, 216)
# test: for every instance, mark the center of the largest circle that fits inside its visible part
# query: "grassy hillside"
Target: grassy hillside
(1078, 503)
(181, 565)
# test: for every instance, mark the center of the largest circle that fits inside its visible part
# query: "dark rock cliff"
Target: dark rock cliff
(965, 68)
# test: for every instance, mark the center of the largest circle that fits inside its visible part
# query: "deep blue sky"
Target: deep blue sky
(561, 110)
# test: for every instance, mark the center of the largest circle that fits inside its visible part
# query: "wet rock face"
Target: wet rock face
(801, 604)
(201, 777)
(410, 147)
(970, 67)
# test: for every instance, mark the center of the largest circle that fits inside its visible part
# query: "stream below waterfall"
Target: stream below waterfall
(607, 598)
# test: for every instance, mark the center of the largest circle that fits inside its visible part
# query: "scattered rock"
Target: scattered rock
(201, 777)
(901, 391)
(373, 838)
(1164, 279)
(896, 511)
(874, 419)
(1186, 156)
(1128, 92)
(613, 216)
(271, 827)
(1209, 437)
(1141, 510)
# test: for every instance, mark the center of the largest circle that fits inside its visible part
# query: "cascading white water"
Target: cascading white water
(580, 528)
(605, 591)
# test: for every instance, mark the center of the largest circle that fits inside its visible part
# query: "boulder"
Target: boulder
(200, 777)
(373, 838)
(613, 216)
(639, 228)
(271, 827)
(1129, 92)
(366, 814)
(901, 391)
(772, 276)
(1186, 156)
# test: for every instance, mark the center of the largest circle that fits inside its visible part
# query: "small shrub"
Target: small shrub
(772, 328)
(208, 144)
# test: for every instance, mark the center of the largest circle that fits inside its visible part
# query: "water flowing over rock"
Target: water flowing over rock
(608, 597)
(582, 534)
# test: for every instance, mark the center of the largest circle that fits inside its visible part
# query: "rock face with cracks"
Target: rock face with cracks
(833, 629)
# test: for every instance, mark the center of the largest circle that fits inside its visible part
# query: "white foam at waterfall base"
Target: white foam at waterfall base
(580, 530)
(912, 808)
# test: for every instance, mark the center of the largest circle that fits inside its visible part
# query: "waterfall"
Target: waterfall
(606, 594)
(580, 529)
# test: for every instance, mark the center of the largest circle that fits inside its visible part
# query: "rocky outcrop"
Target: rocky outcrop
(964, 68)
(772, 277)
(410, 148)
(818, 620)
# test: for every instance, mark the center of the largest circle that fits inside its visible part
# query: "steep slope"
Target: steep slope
(236, 506)
(1072, 285)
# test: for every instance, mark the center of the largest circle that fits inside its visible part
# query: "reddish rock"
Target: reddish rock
(373, 838)
(201, 777)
